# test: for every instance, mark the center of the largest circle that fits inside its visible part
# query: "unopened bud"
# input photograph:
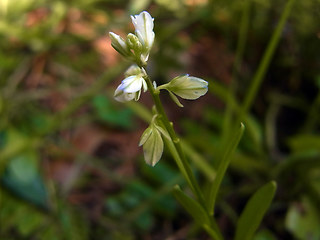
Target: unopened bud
(119, 44)
(133, 70)
(188, 87)
(134, 43)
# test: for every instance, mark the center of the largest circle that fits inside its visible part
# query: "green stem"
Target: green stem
(243, 32)
(265, 62)
(176, 141)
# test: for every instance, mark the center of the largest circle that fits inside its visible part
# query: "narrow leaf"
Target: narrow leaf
(254, 211)
(192, 207)
(223, 167)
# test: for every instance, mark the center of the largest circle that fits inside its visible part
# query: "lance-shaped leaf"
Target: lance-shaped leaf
(198, 213)
(187, 87)
(213, 191)
(254, 211)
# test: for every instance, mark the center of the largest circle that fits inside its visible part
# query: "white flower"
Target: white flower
(130, 88)
(143, 24)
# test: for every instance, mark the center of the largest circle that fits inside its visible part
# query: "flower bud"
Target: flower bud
(119, 44)
(134, 43)
(133, 70)
(187, 87)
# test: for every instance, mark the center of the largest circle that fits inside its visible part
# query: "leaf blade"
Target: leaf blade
(191, 206)
(254, 211)
(213, 191)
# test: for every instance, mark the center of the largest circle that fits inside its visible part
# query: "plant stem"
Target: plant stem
(265, 62)
(176, 141)
(243, 32)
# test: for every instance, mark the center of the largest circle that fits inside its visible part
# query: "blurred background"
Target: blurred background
(70, 165)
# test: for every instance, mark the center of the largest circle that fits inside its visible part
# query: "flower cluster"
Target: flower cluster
(136, 48)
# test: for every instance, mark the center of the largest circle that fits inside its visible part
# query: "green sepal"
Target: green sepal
(163, 131)
(153, 147)
(175, 99)
(146, 134)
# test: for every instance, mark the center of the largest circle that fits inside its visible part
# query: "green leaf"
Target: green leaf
(22, 177)
(304, 143)
(192, 207)
(108, 113)
(223, 167)
(254, 211)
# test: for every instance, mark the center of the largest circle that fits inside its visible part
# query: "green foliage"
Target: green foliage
(106, 112)
(22, 177)
(303, 220)
(192, 207)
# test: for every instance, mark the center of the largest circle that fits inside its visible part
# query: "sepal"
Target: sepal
(152, 143)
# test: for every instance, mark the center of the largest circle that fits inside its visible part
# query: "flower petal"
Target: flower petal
(144, 85)
(132, 84)
(121, 96)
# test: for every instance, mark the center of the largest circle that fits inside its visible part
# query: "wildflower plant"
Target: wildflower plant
(136, 48)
